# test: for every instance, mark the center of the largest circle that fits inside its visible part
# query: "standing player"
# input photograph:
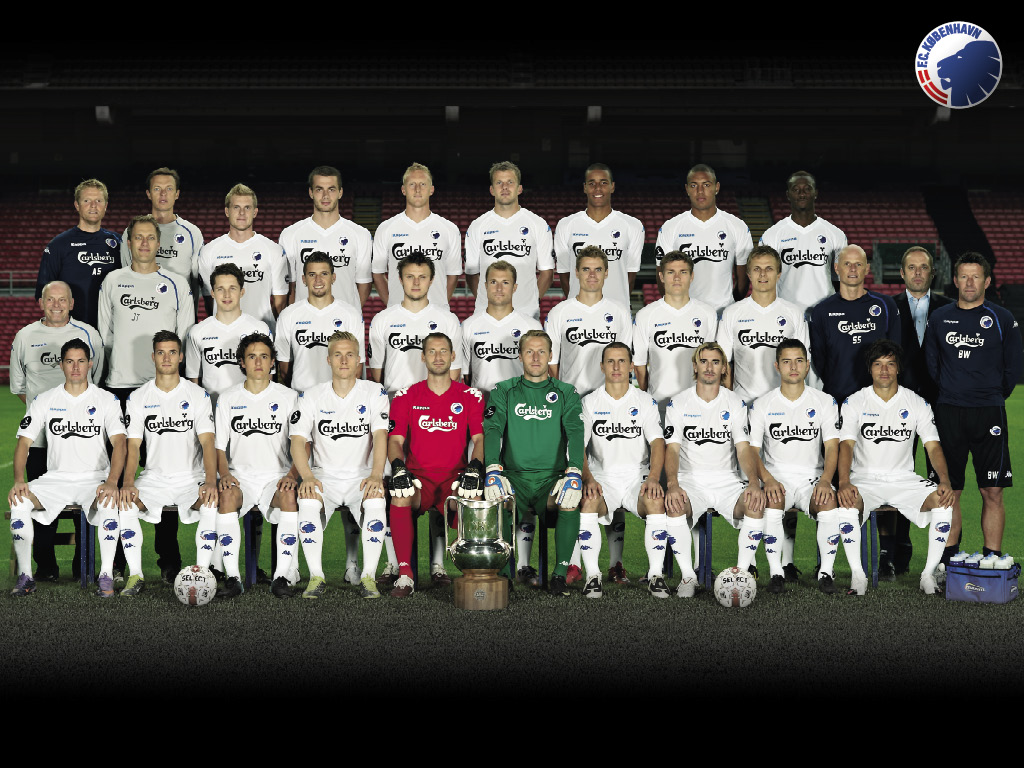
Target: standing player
(490, 338)
(753, 327)
(795, 425)
(397, 333)
(346, 421)
(581, 327)
(626, 451)
(79, 419)
(973, 349)
(513, 235)
(666, 332)
(533, 447)
(807, 244)
(304, 327)
(180, 240)
(254, 461)
(619, 236)
(211, 352)
(35, 368)
(842, 327)
(432, 424)
(260, 259)
(876, 459)
(417, 230)
(718, 242)
(175, 418)
(83, 255)
(349, 245)
(707, 435)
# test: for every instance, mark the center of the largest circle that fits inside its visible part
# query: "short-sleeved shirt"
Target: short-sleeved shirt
(490, 348)
(211, 351)
(255, 429)
(436, 237)
(664, 339)
(437, 427)
(579, 335)
(77, 428)
(349, 245)
(792, 432)
(262, 263)
(82, 260)
(808, 254)
(619, 235)
(396, 343)
(707, 433)
(618, 433)
(180, 243)
(170, 423)
(302, 334)
(884, 431)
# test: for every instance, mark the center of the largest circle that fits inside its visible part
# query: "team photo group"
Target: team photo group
(768, 382)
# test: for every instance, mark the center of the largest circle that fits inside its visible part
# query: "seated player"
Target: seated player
(533, 444)
(626, 451)
(706, 431)
(254, 463)
(79, 419)
(345, 421)
(432, 424)
(793, 424)
(876, 456)
(175, 418)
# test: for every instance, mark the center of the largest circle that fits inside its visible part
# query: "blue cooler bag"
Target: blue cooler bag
(977, 585)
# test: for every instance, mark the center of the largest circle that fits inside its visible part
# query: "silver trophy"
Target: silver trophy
(480, 552)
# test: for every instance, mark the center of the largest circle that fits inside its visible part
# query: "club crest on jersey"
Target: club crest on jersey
(725, 415)
(874, 310)
(551, 397)
(986, 322)
(782, 322)
(904, 414)
(822, 240)
(257, 256)
(609, 318)
(696, 322)
(111, 242)
(184, 405)
(996, 431)
(456, 408)
(516, 333)
(342, 241)
(162, 288)
(435, 234)
(432, 326)
(92, 410)
(634, 412)
(524, 231)
(361, 409)
(722, 235)
(179, 238)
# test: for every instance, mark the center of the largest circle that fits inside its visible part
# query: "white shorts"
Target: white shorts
(258, 489)
(907, 491)
(799, 488)
(621, 489)
(157, 490)
(340, 492)
(717, 491)
(55, 490)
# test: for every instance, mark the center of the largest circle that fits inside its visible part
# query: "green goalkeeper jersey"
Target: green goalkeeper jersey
(534, 427)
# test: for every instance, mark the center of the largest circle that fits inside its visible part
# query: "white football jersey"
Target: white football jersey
(808, 254)
(716, 247)
(77, 428)
(132, 308)
(884, 431)
(261, 261)
(707, 433)
(396, 343)
(254, 430)
(211, 352)
(791, 433)
(664, 339)
(341, 428)
(180, 242)
(170, 423)
(524, 241)
(490, 348)
(302, 334)
(349, 245)
(619, 235)
(617, 433)
(579, 335)
(436, 237)
(749, 334)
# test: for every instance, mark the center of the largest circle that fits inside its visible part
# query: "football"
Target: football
(195, 585)
(735, 588)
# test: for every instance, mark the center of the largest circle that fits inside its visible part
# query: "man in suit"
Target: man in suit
(916, 305)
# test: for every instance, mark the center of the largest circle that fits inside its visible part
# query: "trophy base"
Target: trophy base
(481, 590)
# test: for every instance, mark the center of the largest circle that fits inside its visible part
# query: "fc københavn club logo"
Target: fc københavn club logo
(958, 65)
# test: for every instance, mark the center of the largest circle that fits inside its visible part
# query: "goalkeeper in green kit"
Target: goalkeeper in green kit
(533, 448)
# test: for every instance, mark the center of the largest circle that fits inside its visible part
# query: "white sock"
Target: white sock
(828, 540)
(655, 539)
(524, 538)
(131, 539)
(789, 537)
(589, 544)
(389, 547)
(437, 531)
(311, 535)
(107, 534)
(352, 534)
(774, 535)
(206, 536)
(616, 537)
(680, 538)
(374, 525)
(849, 530)
(751, 533)
(22, 535)
(287, 543)
(938, 534)
(229, 534)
